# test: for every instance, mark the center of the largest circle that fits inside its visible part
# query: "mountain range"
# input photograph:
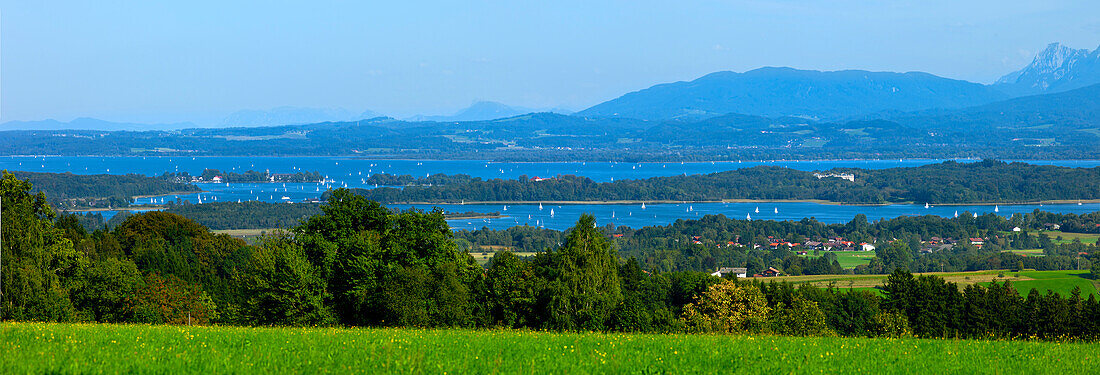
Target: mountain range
(791, 92)
(772, 92)
(1057, 68)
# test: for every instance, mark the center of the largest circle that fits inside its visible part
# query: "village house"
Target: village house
(771, 272)
(736, 271)
(977, 242)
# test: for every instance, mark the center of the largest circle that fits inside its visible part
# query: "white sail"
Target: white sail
(777, 210)
(551, 212)
(956, 213)
(748, 216)
(540, 205)
(996, 208)
(757, 210)
(643, 205)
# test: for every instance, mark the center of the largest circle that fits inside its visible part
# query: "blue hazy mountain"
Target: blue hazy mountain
(292, 116)
(87, 123)
(479, 111)
(777, 92)
(1057, 68)
(1074, 110)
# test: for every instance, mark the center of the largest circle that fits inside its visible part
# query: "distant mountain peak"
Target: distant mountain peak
(784, 91)
(1055, 68)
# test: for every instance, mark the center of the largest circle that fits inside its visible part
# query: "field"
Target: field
(1061, 282)
(247, 234)
(1027, 252)
(483, 257)
(1069, 237)
(102, 348)
(848, 259)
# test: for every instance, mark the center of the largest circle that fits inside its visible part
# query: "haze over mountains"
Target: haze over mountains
(770, 92)
(791, 92)
(1057, 68)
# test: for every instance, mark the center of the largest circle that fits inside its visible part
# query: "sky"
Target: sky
(198, 61)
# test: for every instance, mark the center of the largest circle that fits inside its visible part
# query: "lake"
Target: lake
(350, 172)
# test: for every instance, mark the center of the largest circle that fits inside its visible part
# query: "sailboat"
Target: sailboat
(996, 208)
(612, 214)
(926, 205)
(956, 213)
(540, 206)
(748, 216)
(757, 210)
(643, 205)
(551, 212)
(975, 215)
(776, 210)
(505, 208)
(690, 208)
(1078, 203)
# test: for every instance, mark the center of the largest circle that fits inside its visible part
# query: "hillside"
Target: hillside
(1056, 68)
(790, 92)
(948, 182)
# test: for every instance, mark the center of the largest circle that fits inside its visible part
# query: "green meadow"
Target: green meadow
(1069, 237)
(847, 259)
(1061, 282)
(103, 348)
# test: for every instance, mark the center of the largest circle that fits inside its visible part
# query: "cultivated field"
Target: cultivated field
(1069, 237)
(1061, 282)
(848, 259)
(483, 257)
(101, 348)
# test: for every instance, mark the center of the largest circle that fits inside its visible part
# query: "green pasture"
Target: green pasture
(847, 259)
(1069, 237)
(35, 348)
(1061, 282)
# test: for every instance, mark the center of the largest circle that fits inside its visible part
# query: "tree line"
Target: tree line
(987, 181)
(74, 191)
(361, 264)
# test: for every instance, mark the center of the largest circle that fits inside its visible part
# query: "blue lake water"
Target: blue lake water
(352, 173)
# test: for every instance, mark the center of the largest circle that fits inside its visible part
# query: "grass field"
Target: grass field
(848, 259)
(1069, 237)
(247, 233)
(1027, 252)
(483, 257)
(100, 348)
(1061, 282)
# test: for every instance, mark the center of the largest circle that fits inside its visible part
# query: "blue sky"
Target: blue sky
(197, 61)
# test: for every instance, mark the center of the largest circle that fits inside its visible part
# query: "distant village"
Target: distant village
(216, 176)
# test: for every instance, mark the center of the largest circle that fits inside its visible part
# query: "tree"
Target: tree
(391, 268)
(896, 255)
(41, 266)
(283, 287)
(801, 317)
(1096, 269)
(584, 283)
(170, 300)
(108, 285)
(729, 307)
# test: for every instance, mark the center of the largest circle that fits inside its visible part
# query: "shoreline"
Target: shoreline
(129, 208)
(170, 193)
(817, 201)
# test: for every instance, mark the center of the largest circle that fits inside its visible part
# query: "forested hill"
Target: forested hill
(949, 182)
(67, 190)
